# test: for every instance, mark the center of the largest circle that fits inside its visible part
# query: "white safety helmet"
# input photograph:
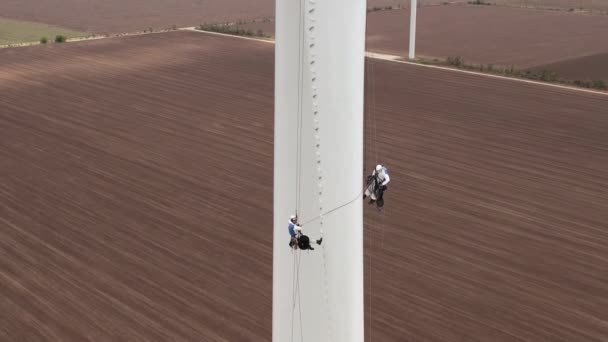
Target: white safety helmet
(378, 168)
(293, 218)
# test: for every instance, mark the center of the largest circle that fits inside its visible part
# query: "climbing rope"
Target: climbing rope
(300, 300)
(318, 217)
(293, 292)
(372, 145)
(370, 113)
(370, 296)
(296, 294)
(296, 253)
(366, 106)
(300, 110)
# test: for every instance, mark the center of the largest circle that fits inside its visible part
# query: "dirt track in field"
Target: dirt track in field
(135, 198)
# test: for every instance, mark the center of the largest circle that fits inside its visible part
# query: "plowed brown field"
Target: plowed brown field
(578, 5)
(598, 6)
(593, 67)
(119, 16)
(135, 198)
(490, 34)
(132, 172)
(522, 38)
(494, 227)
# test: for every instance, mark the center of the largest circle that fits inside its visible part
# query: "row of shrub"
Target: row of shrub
(596, 84)
(232, 29)
(58, 39)
(571, 9)
(533, 74)
(479, 2)
(378, 8)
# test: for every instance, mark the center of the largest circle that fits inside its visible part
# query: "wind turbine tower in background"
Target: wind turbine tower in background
(412, 50)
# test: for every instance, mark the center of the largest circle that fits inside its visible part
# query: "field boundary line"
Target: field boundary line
(131, 34)
(94, 37)
(194, 29)
(374, 55)
(398, 59)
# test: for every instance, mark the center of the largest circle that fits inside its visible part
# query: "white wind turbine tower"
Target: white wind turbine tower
(413, 9)
(318, 161)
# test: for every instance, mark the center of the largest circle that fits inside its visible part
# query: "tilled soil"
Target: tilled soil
(136, 198)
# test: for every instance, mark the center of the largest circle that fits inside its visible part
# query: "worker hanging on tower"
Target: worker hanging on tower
(298, 239)
(377, 184)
